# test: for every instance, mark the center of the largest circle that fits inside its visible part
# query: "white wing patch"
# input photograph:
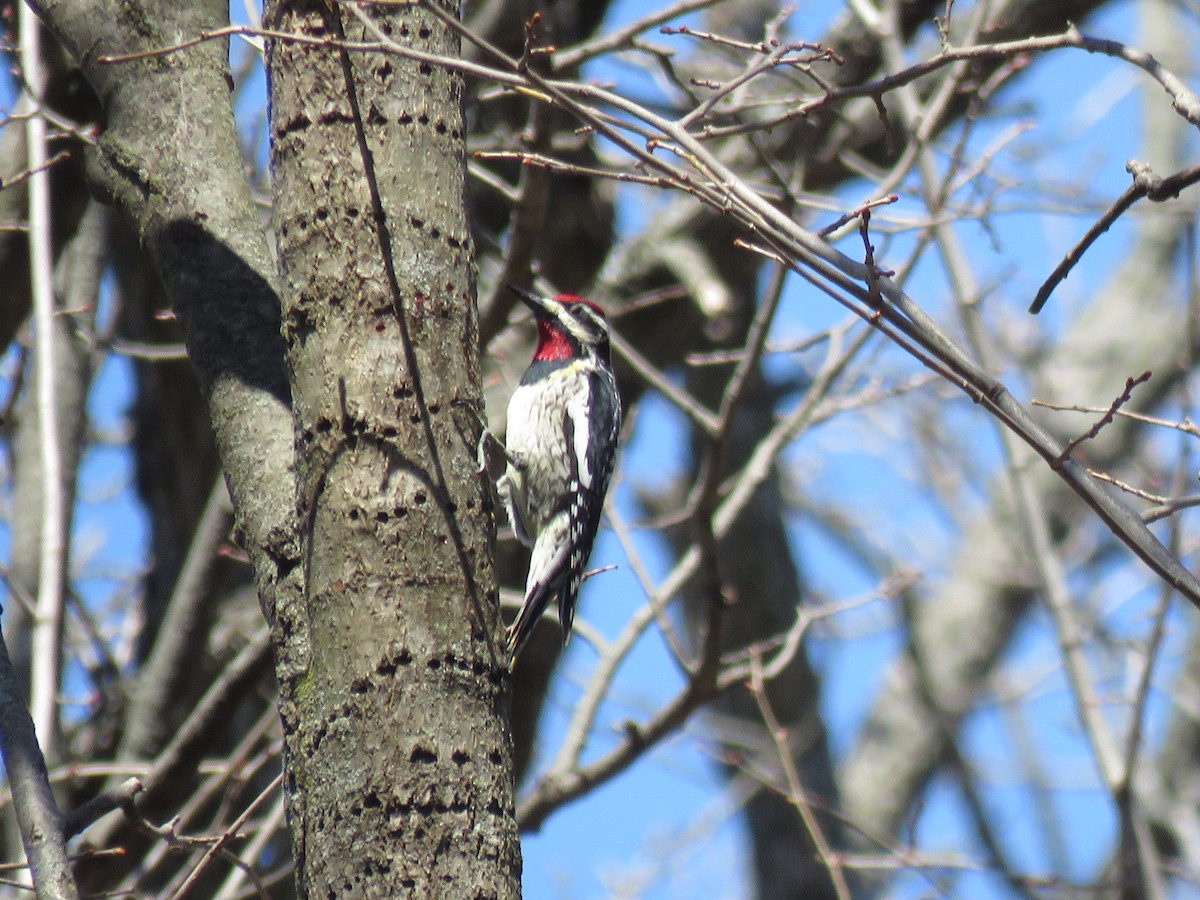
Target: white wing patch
(578, 409)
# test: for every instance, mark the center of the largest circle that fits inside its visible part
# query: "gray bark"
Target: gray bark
(401, 745)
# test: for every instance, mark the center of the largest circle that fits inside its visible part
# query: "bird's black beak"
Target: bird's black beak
(533, 301)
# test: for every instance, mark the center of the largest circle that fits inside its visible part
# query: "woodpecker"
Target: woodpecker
(563, 422)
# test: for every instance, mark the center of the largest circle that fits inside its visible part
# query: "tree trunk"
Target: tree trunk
(401, 751)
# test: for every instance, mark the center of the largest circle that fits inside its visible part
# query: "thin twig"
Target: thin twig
(1106, 419)
(572, 57)
(272, 824)
(219, 844)
(1187, 425)
(26, 174)
(855, 213)
(795, 791)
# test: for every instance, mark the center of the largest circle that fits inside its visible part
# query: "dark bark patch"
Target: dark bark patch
(387, 667)
(284, 566)
(294, 124)
(460, 757)
(422, 755)
(335, 117)
(318, 738)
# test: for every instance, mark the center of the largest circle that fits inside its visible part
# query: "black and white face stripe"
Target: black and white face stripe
(583, 323)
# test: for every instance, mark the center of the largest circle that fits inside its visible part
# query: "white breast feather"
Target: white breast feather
(537, 436)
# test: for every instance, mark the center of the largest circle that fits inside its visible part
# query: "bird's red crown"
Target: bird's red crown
(570, 299)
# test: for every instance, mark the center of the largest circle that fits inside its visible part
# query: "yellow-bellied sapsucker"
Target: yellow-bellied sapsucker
(563, 422)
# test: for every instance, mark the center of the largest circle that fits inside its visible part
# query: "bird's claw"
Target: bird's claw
(481, 452)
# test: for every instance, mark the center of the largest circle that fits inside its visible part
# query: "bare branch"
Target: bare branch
(40, 821)
(1145, 184)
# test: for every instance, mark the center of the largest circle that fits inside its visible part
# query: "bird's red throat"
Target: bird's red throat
(552, 345)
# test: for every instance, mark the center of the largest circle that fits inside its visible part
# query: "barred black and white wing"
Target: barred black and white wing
(592, 429)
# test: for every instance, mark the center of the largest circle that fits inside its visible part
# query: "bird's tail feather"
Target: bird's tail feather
(520, 630)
